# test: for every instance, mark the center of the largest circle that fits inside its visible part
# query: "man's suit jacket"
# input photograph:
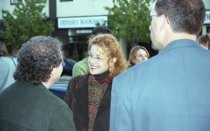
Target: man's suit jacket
(27, 107)
(169, 92)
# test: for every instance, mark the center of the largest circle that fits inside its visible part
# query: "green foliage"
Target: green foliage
(26, 20)
(128, 20)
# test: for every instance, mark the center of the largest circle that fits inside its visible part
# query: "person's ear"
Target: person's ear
(53, 71)
(163, 22)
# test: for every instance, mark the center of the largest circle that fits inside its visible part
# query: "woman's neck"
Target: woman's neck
(101, 77)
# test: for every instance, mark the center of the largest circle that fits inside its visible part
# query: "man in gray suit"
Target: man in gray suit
(171, 91)
(28, 105)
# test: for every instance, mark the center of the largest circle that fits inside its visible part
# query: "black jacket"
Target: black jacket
(77, 98)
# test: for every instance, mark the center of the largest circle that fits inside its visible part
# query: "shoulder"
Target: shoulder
(53, 102)
(78, 81)
(132, 71)
(81, 63)
(60, 111)
(5, 59)
(64, 115)
(80, 68)
(7, 67)
(79, 77)
(135, 74)
(124, 78)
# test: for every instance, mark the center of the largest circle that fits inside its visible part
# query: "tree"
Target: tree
(25, 21)
(128, 20)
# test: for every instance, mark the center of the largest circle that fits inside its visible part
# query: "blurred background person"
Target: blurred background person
(7, 67)
(68, 62)
(81, 67)
(89, 95)
(137, 55)
(204, 41)
(27, 104)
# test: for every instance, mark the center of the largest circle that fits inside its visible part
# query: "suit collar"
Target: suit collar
(180, 43)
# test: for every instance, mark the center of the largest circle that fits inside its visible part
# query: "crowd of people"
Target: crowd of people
(107, 92)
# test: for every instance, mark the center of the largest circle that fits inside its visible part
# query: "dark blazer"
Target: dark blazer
(77, 99)
(25, 107)
(168, 92)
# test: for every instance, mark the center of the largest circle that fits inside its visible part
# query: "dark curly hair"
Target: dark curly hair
(37, 58)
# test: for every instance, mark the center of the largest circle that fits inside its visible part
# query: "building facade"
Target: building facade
(75, 20)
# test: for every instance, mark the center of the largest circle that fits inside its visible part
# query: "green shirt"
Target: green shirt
(80, 68)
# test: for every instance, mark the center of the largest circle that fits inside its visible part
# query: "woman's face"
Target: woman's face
(140, 56)
(97, 60)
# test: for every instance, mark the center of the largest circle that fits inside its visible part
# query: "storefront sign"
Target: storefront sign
(207, 18)
(82, 22)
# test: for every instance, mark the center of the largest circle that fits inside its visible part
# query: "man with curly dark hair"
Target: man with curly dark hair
(28, 104)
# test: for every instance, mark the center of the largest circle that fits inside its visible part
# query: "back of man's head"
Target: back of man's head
(37, 58)
(183, 15)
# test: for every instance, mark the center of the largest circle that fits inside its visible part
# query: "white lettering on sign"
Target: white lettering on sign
(81, 22)
(207, 17)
